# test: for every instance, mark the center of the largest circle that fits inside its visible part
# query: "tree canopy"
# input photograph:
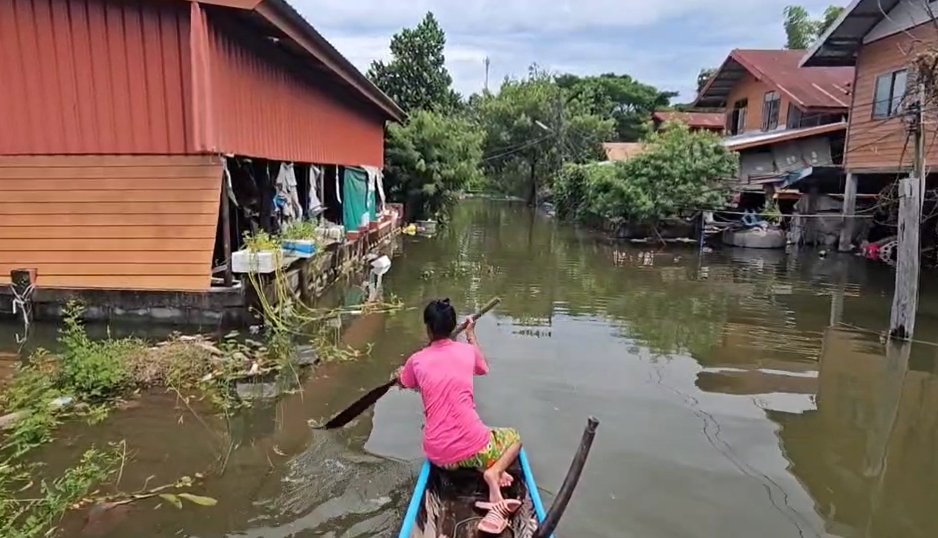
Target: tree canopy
(627, 101)
(416, 77)
(802, 31)
(430, 159)
(679, 171)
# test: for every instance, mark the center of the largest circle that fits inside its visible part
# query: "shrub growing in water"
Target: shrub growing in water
(94, 370)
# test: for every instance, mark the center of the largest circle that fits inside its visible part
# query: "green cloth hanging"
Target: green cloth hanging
(355, 199)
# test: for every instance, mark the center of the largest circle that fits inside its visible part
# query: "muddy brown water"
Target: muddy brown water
(735, 399)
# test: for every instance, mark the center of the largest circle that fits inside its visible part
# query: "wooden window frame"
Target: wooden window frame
(736, 121)
(771, 110)
(893, 110)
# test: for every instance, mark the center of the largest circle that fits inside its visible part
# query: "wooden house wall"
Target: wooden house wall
(876, 145)
(116, 222)
(754, 90)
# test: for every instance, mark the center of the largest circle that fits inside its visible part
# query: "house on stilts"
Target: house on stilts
(143, 139)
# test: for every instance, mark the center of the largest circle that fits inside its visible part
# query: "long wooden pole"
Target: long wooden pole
(557, 509)
(911, 190)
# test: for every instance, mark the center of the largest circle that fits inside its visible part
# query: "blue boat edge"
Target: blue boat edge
(420, 489)
(413, 508)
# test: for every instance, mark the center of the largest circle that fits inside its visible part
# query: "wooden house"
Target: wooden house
(787, 122)
(882, 39)
(131, 125)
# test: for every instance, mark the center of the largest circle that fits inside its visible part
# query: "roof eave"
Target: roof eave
(290, 22)
(833, 50)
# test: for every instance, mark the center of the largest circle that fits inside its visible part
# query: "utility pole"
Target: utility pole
(486, 63)
(911, 199)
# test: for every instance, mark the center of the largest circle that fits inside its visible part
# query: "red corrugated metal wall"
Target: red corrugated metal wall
(260, 107)
(94, 77)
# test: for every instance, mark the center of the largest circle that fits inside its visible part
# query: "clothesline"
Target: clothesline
(817, 215)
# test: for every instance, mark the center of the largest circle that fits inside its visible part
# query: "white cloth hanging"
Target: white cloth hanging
(338, 191)
(375, 183)
(315, 177)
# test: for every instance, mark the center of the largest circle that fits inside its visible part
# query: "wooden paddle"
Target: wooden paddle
(376, 393)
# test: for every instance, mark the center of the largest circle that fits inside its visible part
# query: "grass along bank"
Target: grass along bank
(86, 378)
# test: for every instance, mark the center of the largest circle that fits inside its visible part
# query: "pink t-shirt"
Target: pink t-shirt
(443, 373)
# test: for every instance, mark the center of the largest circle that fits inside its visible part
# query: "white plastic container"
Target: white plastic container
(263, 262)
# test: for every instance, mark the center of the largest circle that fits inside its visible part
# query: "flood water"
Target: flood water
(736, 398)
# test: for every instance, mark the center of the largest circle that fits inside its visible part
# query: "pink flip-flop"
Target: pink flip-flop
(496, 519)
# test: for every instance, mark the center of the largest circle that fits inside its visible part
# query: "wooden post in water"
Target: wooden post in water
(911, 195)
(849, 212)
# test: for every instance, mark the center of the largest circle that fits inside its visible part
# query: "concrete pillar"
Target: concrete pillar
(811, 224)
(849, 211)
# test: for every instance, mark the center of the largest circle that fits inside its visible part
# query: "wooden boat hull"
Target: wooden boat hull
(443, 503)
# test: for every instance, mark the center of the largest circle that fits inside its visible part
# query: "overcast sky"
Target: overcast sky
(661, 42)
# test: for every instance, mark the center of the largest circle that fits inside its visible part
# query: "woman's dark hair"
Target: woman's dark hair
(440, 318)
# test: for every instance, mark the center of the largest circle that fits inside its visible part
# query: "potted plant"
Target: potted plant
(261, 254)
(299, 239)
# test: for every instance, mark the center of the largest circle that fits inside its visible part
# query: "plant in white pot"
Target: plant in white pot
(299, 239)
(261, 254)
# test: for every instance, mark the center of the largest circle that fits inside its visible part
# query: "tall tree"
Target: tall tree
(627, 101)
(801, 30)
(416, 77)
(831, 14)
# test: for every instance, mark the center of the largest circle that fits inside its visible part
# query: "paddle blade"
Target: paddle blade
(357, 408)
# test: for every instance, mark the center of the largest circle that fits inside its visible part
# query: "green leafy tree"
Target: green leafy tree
(802, 30)
(831, 14)
(627, 101)
(416, 77)
(679, 171)
(532, 127)
(704, 76)
(430, 159)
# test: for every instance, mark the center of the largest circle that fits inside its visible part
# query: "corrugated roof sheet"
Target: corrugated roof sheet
(808, 87)
(755, 140)
(622, 151)
(703, 120)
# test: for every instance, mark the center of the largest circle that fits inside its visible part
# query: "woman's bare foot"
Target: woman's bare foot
(506, 480)
(493, 478)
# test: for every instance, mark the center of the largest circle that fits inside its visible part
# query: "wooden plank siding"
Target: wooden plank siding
(123, 222)
(754, 91)
(876, 145)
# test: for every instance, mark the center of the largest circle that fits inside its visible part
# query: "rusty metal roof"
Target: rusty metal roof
(702, 120)
(807, 87)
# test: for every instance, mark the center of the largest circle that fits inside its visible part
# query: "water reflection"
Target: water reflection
(734, 400)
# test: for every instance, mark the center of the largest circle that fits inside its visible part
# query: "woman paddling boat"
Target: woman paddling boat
(454, 435)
